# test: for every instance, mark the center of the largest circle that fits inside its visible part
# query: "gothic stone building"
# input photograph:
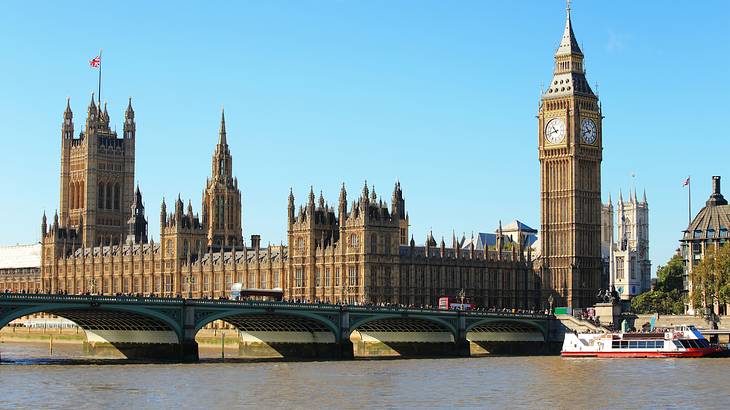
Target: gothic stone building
(359, 252)
(570, 149)
(627, 259)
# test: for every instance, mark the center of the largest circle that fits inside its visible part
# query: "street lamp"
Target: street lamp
(461, 295)
(551, 300)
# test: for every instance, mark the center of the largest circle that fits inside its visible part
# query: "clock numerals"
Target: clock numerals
(588, 132)
(555, 131)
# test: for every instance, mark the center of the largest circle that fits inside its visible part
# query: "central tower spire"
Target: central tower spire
(222, 198)
(222, 130)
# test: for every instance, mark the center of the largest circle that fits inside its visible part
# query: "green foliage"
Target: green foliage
(659, 301)
(711, 277)
(669, 276)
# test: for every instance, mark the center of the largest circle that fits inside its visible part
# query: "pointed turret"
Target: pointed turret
(365, 192)
(569, 71)
(320, 201)
(68, 114)
(44, 225)
(130, 127)
(222, 131)
(342, 208)
(290, 206)
(163, 214)
(310, 204)
(643, 199)
(373, 196)
(568, 44)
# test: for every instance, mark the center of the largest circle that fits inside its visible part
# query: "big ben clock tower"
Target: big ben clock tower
(570, 143)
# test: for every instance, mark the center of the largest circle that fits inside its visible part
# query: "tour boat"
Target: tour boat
(680, 341)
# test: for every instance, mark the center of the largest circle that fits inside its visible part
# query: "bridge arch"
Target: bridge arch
(402, 335)
(250, 317)
(506, 329)
(135, 332)
(131, 317)
(394, 320)
(272, 333)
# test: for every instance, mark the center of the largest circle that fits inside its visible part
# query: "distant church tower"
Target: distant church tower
(222, 198)
(632, 224)
(97, 176)
(570, 145)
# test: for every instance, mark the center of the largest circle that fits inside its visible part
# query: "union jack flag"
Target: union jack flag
(95, 62)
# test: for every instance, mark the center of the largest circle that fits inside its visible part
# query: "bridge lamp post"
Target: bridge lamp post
(461, 295)
(551, 300)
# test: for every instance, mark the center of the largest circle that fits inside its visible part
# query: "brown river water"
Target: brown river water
(30, 379)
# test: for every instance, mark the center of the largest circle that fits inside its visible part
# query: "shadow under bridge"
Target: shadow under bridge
(281, 334)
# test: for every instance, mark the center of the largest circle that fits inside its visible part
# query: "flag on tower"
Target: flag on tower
(686, 182)
(95, 62)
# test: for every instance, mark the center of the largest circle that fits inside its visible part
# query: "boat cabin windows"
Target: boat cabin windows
(637, 344)
(699, 343)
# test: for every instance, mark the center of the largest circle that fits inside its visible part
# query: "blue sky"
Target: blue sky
(441, 95)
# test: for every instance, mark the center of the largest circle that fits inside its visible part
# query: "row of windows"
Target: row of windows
(637, 344)
(351, 280)
(692, 343)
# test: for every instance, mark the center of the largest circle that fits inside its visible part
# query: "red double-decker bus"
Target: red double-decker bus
(452, 303)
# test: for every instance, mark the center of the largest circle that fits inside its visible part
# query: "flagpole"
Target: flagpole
(100, 50)
(689, 199)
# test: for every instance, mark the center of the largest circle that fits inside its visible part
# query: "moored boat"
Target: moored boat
(679, 341)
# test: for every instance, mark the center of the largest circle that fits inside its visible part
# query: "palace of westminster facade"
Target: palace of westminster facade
(359, 252)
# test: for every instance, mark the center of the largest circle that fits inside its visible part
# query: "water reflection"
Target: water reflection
(490, 382)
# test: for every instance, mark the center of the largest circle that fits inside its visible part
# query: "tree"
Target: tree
(659, 301)
(670, 276)
(711, 277)
(666, 299)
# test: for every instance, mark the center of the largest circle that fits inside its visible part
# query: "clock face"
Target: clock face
(588, 131)
(555, 130)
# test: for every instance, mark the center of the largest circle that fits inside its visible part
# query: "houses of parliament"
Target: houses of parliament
(359, 252)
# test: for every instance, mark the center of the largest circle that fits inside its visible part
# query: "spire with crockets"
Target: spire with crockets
(222, 161)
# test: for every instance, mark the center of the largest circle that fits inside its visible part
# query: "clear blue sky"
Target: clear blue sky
(442, 95)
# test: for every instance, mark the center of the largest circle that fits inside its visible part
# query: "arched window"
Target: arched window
(100, 195)
(108, 198)
(353, 240)
(374, 243)
(116, 196)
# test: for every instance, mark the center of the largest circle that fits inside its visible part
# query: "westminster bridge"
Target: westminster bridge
(165, 328)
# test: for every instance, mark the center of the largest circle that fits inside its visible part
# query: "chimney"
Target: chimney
(716, 198)
(256, 241)
(716, 185)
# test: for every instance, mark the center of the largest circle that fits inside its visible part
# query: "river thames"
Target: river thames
(29, 379)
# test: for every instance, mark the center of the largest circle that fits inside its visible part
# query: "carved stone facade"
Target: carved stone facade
(359, 252)
(97, 175)
(627, 257)
(570, 152)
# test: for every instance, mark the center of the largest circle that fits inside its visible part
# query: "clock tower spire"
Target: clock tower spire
(570, 153)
